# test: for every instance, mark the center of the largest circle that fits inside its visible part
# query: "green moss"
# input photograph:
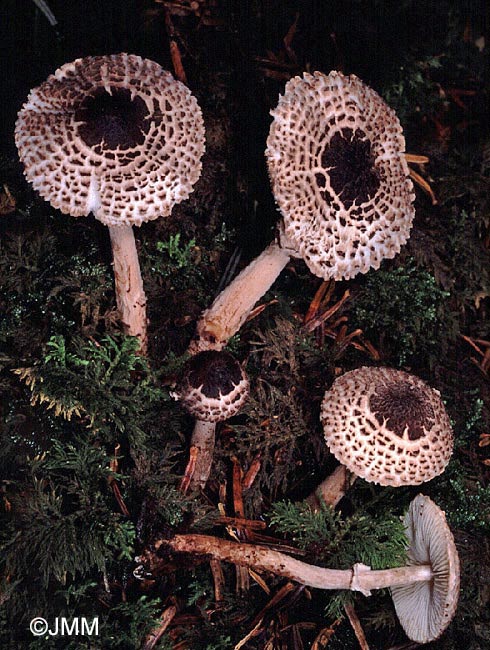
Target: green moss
(404, 313)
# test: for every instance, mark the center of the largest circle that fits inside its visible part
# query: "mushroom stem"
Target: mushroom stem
(232, 306)
(130, 295)
(331, 489)
(359, 578)
(203, 439)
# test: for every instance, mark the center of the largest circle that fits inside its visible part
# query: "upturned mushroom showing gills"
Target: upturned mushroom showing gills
(386, 426)
(119, 137)
(213, 387)
(425, 591)
(335, 155)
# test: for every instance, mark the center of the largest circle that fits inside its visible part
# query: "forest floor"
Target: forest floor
(94, 447)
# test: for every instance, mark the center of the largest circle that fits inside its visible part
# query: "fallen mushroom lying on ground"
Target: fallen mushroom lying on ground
(425, 591)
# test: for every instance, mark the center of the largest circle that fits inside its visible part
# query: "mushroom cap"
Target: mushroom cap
(425, 609)
(213, 386)
(338, 174)
(387, 426)
(114, 135)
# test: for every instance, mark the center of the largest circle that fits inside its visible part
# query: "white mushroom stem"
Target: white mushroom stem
(331, 489)
(230, 309)
(130, 295)
(359, 578)
(202, 440)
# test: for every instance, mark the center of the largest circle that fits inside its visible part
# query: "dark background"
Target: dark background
(424, 60)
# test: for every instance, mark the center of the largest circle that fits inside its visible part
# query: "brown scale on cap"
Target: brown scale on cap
(335, 154)
(403, 408)
(114, 135)
(214, 373)
(112, 120)
(351, 165)
(213, 387)
(387, 426)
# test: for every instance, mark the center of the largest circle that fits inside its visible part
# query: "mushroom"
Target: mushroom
(117, 136)
(213, 387)
(425, 591)
(385, 425)
(335, 154)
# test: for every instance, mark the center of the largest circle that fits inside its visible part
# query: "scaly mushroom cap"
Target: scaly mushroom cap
(425, 609)
(213, 387)
(387, 426)
(338, 174)
(114, 135)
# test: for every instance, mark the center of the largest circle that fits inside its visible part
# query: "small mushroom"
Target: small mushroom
(425, 591)
(386, 426)
(335, 154)
(117, 136)
(213, 387)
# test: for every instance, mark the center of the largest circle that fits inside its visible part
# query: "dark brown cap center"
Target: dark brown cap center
(113, 120)
(216, 372)
(350, 165)
(403, 407)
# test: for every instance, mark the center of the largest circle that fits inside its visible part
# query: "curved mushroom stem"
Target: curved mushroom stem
(230, 309)
(331, 489)
(130, 295)
(199, 466)
(359, 578)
